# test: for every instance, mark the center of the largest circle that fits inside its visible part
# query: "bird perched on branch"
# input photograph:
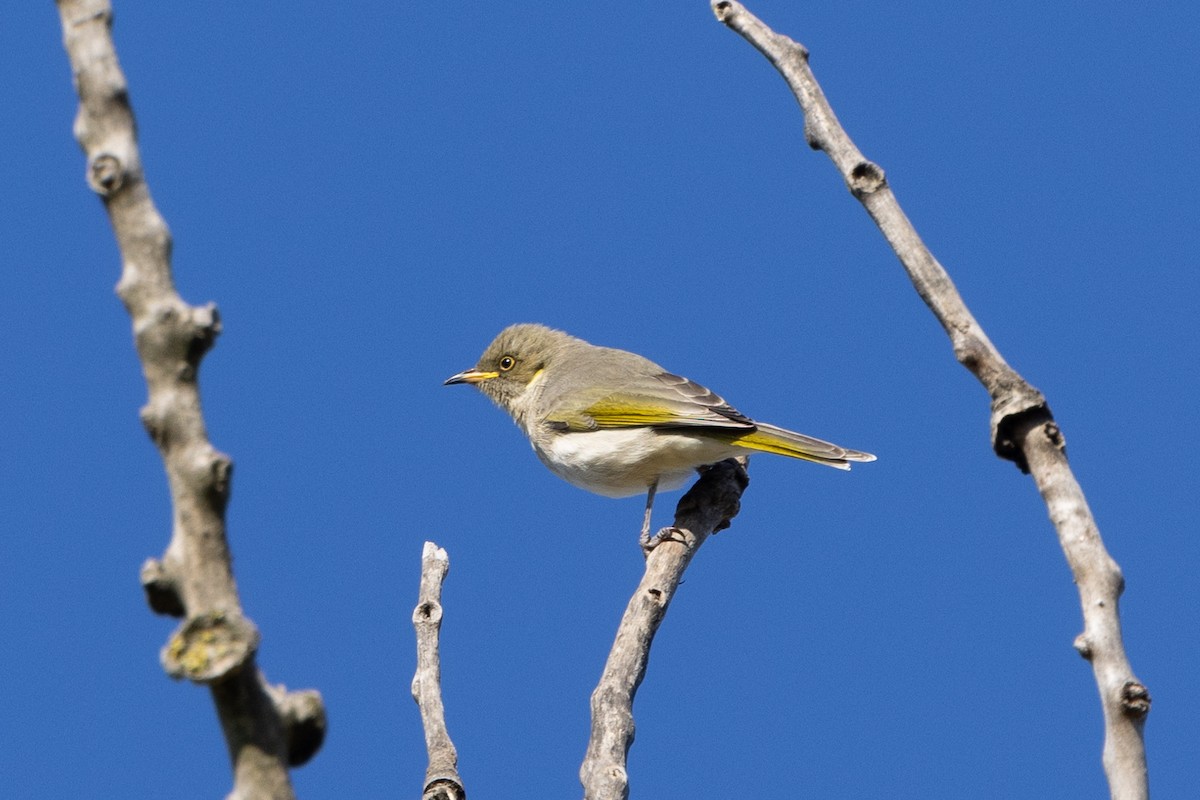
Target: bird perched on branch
(617, 424)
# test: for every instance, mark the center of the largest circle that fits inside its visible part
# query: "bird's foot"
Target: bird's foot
(667, 534)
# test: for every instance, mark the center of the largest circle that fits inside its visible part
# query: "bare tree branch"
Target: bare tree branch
(1023, 430)
(266, 728)
(707, 507)
(442, 781)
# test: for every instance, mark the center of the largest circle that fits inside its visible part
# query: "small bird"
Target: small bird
(617, 424)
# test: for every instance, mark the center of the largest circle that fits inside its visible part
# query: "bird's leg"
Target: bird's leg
(644, 540)
(647, 541)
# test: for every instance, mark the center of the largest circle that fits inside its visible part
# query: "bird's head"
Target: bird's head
(513, 362)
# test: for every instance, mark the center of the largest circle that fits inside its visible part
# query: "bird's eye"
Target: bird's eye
(507, 363)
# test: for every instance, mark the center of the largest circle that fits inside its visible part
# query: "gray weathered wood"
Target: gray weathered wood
(266, 727)
(1023, 429)
(442, 781)
(706, 508)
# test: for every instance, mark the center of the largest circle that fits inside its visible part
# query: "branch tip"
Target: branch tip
(441, 776)
(431, 551)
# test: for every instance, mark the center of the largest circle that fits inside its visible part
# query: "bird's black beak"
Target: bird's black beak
(470, 376)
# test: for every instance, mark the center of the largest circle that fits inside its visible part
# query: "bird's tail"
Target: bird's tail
(770, 439)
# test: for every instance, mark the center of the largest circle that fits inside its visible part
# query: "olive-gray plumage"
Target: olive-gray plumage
(616, 423)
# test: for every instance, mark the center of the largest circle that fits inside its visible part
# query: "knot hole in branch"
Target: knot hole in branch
(444, 789)
(722, 9)
(428, 612)
(866, 178)
(106, 174)
(1135, 699)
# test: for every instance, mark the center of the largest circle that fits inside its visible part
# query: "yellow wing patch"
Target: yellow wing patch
(614, 413)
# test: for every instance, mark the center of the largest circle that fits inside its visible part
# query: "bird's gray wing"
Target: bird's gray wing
(659, 400)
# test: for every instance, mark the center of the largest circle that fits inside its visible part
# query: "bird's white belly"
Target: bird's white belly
(619, 463)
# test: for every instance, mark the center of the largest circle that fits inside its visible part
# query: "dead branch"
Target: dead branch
(442, 781)
(1023, 429)
(706, 508)
(266, 728)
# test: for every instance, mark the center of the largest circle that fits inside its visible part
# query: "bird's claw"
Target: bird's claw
(667, 534)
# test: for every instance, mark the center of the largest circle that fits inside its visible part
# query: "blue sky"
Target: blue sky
(370, 192)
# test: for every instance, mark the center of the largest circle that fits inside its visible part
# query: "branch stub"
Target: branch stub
(106, 174)
(305, 724)
(210, 647)
(1135, 700)
(1015, 418)
(162, 593)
